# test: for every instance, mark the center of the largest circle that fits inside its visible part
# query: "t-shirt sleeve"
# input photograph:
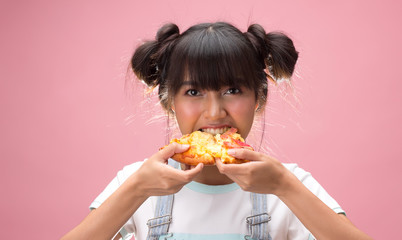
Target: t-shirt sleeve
(128, 228)
(311, 183)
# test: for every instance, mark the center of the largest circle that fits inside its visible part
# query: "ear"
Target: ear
(269, 76)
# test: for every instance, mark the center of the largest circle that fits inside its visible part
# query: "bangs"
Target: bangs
(211, 57)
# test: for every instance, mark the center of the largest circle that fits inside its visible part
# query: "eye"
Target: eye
(233, 90)
(193, 92)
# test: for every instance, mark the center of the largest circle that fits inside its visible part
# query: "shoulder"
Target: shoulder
(304, 176)
(314, 186)
(121, 176)
(127, 171)
(299, 172)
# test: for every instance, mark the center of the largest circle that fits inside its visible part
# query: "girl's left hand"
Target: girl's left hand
(262, 174)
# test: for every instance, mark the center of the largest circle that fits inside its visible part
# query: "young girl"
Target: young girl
(210, 78)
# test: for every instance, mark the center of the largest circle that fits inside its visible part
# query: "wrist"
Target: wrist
(136, 188)
(289, 183)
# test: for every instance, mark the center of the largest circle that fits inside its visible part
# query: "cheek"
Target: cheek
(243, 114)
(244, 108)
(186, 113)
(186, 110)
(186, 116)
(247, 115)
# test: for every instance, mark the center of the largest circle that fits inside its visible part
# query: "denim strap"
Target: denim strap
(159, 225)
(257, 223)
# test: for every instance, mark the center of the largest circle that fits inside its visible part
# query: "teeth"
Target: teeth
(215, 131)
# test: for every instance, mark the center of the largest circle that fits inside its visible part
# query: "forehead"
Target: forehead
(211, 59)
(213, 84)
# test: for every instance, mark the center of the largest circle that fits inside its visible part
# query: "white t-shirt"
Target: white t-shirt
(217, 212)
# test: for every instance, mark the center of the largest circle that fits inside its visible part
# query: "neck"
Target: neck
(210, 175)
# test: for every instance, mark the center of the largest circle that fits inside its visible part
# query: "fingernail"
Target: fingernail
(232, 152)
(184, 146)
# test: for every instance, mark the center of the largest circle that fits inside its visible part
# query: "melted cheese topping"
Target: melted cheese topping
(203, 143)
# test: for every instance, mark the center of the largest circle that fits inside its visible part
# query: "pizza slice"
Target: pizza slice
(205, 147)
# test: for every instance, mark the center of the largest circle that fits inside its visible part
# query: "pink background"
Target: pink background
(67, 127)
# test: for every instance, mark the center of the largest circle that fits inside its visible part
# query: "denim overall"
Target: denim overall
(257, 223)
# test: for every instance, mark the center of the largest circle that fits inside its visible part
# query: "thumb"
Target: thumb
(166, 152)
(192, 173)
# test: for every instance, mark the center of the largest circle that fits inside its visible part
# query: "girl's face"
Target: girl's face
(214, 111)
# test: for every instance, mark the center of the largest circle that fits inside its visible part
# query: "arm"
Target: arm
(104, 222)
(154, 178)
(316, 216)
(264, 174)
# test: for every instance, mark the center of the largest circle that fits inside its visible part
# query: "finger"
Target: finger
(245, 154)
(188, 175)
(192, 173)
(219, 164)
(228, 170)
(186, 167)
(231, 170)
(168, 151)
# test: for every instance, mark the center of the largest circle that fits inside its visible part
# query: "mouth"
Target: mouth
(215, 130)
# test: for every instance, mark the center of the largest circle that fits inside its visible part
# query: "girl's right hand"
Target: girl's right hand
(153, 178)
(156, 178)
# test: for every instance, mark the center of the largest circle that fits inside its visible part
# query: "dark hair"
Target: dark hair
(212, 55)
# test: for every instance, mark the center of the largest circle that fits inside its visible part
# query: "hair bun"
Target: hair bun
(166, 32)
(149, 60)
(282, 55)
(276, 49)
(256, 34)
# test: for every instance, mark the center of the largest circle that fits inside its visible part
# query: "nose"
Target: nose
(214, 107)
